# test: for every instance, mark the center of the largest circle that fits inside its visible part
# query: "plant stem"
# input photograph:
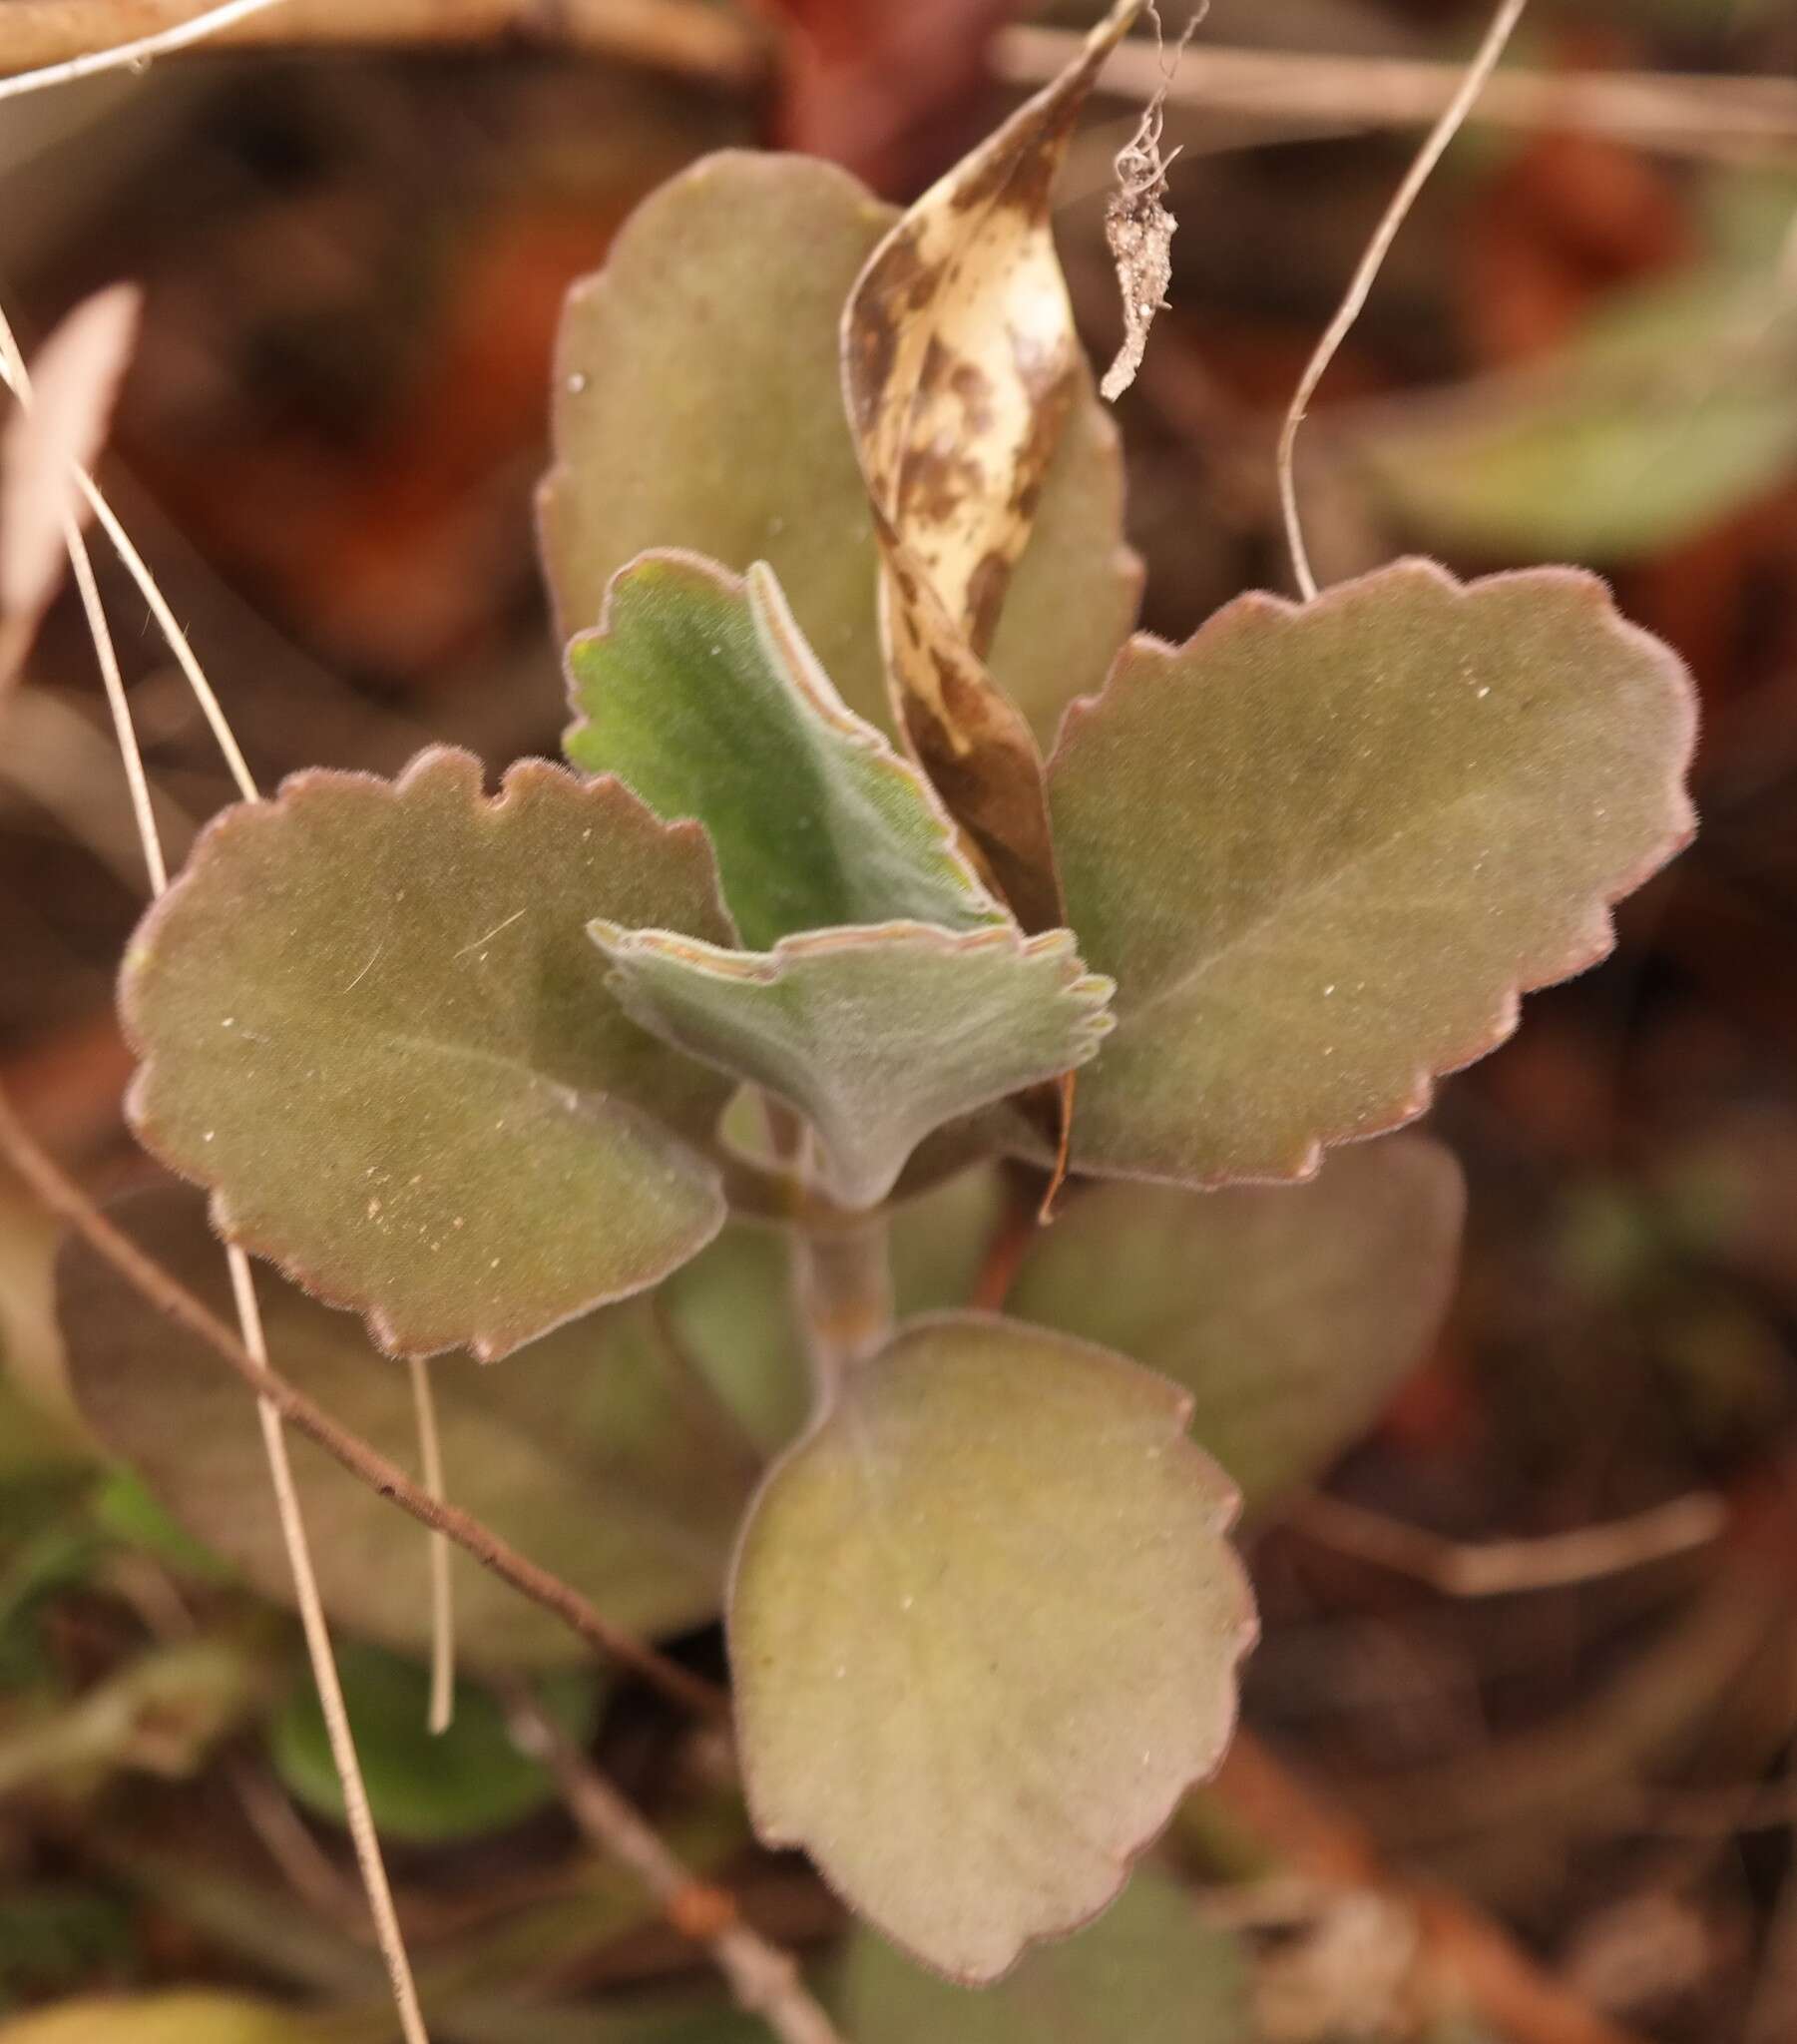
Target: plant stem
(356, 1812)
(842, 1291)
(764, 1978)
(137, 51)
(287, 1498)
(170, 1297)
(1477, 73)
(712, 46)
(1299, 93)
(442, 1594)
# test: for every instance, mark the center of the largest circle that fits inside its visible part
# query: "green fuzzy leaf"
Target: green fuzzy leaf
(373, 1025)
(877, 1036)
(178, 2018)
(424, 1787)
(698, 692)
(1290, 1313)
(984, 1626)
(1149, 1971)
(1322, 850)
(698, 404)
(592, 1451)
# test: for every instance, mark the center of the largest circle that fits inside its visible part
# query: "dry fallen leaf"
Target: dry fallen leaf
(959, 365)
(74, 383)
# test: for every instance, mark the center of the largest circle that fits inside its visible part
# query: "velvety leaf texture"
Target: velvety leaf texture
(984, 1627)
(698, 692)
(1150, 1970)
(1322, 850)
(373, 1024)
(1290, 1313)
(698, 404)
(877, 1036)
(588, 1452)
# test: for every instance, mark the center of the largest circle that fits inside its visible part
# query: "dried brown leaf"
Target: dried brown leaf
(74, 383)
(959, 368)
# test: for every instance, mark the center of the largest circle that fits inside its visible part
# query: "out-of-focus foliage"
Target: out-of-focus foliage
(1674, 404)
(423, 1788)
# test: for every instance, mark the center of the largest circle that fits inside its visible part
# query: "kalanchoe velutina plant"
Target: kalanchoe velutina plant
(834, 534)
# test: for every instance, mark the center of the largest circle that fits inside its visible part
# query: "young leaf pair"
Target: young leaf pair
(396, 1027)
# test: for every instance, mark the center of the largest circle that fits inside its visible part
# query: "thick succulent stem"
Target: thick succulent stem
(842, 1288)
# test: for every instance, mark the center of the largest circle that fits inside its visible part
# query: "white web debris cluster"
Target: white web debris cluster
(1137, 224)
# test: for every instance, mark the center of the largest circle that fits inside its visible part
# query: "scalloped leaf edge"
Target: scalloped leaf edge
(1595, 938)
(471, 773)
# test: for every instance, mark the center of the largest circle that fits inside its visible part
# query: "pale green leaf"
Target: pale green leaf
(877, 1035)
(1672, 403)
(1675, 407)
(984, 1627)
(592, 1451)
(698, 692)
(1322, 850)
(176, 2018)
(373, 1025)
(698, 404)
(1290, 1313)
(1149, 1971)
(424, 1787)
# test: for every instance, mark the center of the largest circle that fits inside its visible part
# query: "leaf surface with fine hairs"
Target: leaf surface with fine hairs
(700, 693)
(984, 1626)
(1323, 850)
(371, 1023)
(877, 1036)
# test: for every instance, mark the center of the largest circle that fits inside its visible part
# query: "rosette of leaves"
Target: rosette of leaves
(835, 537)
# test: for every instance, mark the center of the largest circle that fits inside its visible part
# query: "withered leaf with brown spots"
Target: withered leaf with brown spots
(960, 367)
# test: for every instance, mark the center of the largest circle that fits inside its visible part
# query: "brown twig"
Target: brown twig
(712, 46)
(1468, 85)
(1684, 114)
(1501, 1568)
(169, 1297)
(764, 1978)
(1017, 1228)
(1475, 1961)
